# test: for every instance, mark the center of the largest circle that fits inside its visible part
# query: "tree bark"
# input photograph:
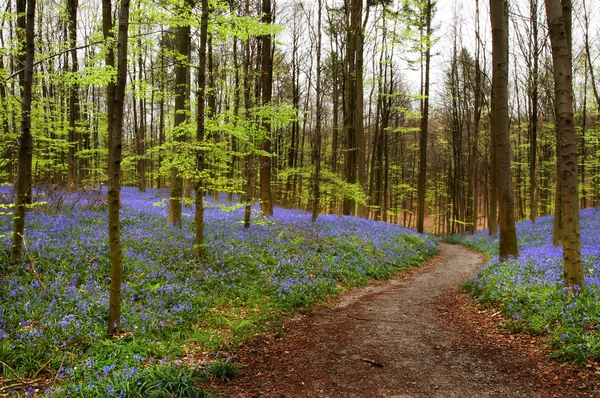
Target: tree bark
(200, 117)
(508, 234)
(318, 138)
(182, 97)
(266, 200)
(424, 126)
(354, 160)
(26, 22)
(558, 22)
(114, 168)
(533, 119)
(74, 108)
(140, 139)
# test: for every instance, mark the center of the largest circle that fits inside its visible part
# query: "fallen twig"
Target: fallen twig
(14, 384)
(372, 362)
(375, 319)
(59, 368)
(9, 368)
(32, 263)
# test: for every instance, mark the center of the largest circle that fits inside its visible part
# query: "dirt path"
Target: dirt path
(410, 337)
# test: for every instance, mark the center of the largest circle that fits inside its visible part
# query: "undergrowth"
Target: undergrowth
(173, 306)
(531, 292)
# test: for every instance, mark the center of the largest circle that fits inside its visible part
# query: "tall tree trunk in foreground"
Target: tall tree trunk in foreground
(114, 162)
(566, 7)
(201, 95)
(424, 126)
(558, 23)
(140, 139)
(354, 160)
(318, 138)
(508, 233)
(266, 199)
(25, 22)
(533, 120)
(74, 111)
(182, 97)
(248, 196)
(493, 203)
(477, 108)
(359, 128)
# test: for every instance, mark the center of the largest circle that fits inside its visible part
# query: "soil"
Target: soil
(413, 336)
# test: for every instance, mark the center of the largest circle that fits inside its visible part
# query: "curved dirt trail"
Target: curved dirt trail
(390, 339)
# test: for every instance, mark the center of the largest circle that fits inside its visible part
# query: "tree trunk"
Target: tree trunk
(361, 162)
(424, 126)
(318, 138)
(201, 95)
(26, 22)
(533, 118)
(74, 111)
(182, 90)
(353, 103)
(266, 200)
(248, 197)
(140, 139)
(508, 234)
(114, 165)
(559, 25)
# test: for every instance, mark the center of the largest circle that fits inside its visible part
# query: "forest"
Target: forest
(178, 176)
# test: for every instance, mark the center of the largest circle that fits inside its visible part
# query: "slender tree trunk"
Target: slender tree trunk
(353, 102)
(182, 90)
(559, 25)
(533, 120)
(508, 234)
(424, 126)
(248, 197)
(266, 200)
(200, 131)
(565, 5)
(361, 162)
(478, 100)
(583, 152)
(114, 166)
(318, 138)
(26, 22)
(74, 108)
(141, 133)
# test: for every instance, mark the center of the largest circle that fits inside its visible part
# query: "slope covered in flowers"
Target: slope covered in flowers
(172, 304)
(530, 289)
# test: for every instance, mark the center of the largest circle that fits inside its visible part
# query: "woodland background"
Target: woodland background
(368, 166)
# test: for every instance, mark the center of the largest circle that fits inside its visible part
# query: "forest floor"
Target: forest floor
(413, 336)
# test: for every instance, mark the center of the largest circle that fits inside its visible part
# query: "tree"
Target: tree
(182, 99)
(354, 161)
(115, 105)
(266, 200)
(558, 17)
(74, 108)
(25, 22)
(534, 101)
(500, 115)
(318, 138)
(424, 121)
(201, 94)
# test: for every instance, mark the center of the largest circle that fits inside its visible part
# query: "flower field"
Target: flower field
(530, 289)
(177, 313)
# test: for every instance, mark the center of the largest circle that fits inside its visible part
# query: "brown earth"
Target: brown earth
(414, 336)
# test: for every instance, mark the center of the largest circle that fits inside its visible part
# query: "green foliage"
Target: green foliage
(163, 381)
(223, 370)
(172, 305)
(529, 290)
